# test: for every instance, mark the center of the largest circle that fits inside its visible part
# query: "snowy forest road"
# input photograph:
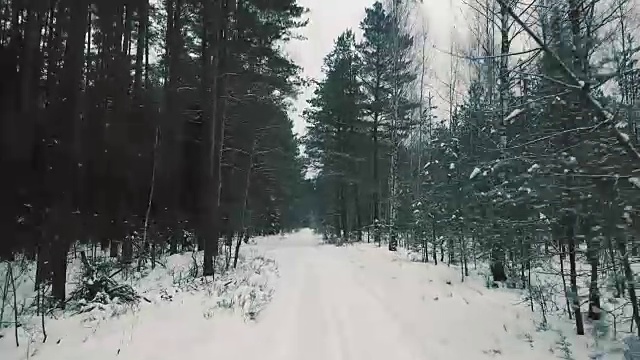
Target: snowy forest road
(361, 302)
(327, 310)
(355, 302)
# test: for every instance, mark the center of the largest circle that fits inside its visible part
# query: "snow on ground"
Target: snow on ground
(176, 309)
(354, 302)
(601, 338)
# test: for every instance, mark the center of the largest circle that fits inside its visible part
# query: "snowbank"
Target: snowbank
(168, 292)
(602, 340)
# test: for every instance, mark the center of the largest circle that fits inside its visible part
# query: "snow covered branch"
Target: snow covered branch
(606, 116)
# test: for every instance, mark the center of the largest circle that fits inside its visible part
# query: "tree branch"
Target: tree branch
(607, 117)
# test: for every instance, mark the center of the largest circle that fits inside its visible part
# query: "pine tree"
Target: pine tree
(335, 123)
(116, 143)
(387, 74)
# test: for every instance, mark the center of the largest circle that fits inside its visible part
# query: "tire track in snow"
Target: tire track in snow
(371, 330)
(348, 304)
(275, 333)
(317, 332)
(430, 326)
(300, 324)
(372, 284)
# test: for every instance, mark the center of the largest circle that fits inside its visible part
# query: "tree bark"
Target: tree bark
(62, 218)
(573, 274)
(212, 178)
(244, 231)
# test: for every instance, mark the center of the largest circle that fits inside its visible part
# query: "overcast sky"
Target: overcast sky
(329, 18)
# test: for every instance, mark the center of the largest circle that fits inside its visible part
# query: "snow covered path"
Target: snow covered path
(356, 302)
(363, 303)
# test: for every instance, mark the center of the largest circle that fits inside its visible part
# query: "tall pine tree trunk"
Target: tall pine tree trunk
(594, 293)
(569, 225)
(64, 166)
(356, 193)
(213, 154)
(245, 200)
(376, 181)
(497, 254)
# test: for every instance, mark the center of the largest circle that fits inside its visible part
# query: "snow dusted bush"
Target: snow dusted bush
(246, 289)
(250, 290)
(541, 295)
(564, 346)
(103, 309)
(97, 287)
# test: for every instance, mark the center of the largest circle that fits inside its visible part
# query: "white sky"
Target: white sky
(329, 18)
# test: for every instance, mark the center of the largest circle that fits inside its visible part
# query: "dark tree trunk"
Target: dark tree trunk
(562, 257)
(127, 249)
(344, 226)
(356, 192)
(43, 268)
(619, 285)
(62, 221)
(173, 241)
(173, 123)
(629, 277)
(113, 248)
(214, 131)
(594, 293)
(376, 180)
(435, 241)
(573, 274)
(59, 273)
(497, 263)
(244, 234)
(141, 46)
(104, 244)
